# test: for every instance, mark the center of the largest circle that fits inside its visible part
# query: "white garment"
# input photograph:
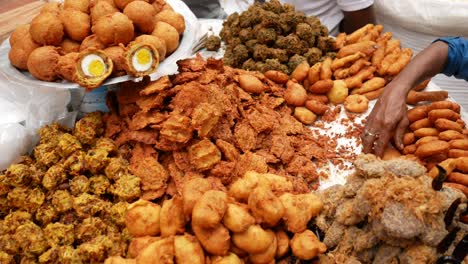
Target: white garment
(329, 11)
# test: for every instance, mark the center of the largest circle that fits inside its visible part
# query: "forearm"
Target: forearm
(426, 64)
(357, 19)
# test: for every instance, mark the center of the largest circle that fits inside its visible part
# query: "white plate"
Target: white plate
(166, 67)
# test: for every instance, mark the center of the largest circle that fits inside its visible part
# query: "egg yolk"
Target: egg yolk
(96, 68)
(143, 56)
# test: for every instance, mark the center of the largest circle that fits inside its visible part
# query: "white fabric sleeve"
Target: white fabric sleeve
(354, 5)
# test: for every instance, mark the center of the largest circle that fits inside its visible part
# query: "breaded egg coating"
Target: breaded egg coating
(114, 29)
(117, 55)
(158, 43)
(172, 18)
(92, 41)
(142, 15)
(20, 51)
(101, 9)
(47, 29)
(80, 5)
(68, 46)
(77, 24)
(167, 33)
(43, 62)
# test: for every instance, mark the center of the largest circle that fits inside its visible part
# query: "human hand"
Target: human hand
(389, 113)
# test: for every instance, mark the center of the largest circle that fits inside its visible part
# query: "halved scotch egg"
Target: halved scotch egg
(141, 59)
(93, 68)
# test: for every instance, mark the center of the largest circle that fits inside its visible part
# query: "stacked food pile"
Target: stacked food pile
(85, 42)
(66, 203)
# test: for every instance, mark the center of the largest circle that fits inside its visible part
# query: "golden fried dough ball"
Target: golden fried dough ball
(299, 209)
(230, 258)
(172, 218)
(306, 245)
(51, 7)
(92, 41)
(93, 3)
(77, 24)
(282, 241)
(237, 217)
(142, 218)
(161, 251)
(140, 243)
(117, 54)
(158, 43)
(142, 15)
(254, 240)
(167, 33)
(192, 190)
(68, 46)
(47, 29)
(114, 29)
(19, 33)
(80, 5)
(210, 209)
(66, 66)
(121, 4)
(159, 5)
(188, 250)
(266, 256)
(215, 241)
(172, 18)
(265, 206)
(42, 63)
(101, 9)
(19, 53)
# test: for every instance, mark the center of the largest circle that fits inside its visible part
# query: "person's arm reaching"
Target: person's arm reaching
(447, 55)
(357, 13)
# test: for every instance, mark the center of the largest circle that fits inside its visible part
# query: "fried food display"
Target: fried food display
(60, 209)
(92, 68)
(273, 36)
(43, 62)
(100, 26)
(377, 215)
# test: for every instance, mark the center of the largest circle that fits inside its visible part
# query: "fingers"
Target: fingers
(381, 143)
(368, 139)
(400, 131)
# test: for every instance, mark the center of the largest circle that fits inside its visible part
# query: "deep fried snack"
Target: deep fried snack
(458, 177)
(68, 46)
(100, 9)
(390, 153)
(374, 94)
(92, 41)
(357, 67)
(192, 190)
(443, 124)
(117, 55)
(251, 84)
(426, 131)
(425, 140)
(314, 73)
(321, 87)
(156, 42)
(139, 243)
(343, 73)
(373, 84)
(215, 241)
(379, 53)
(421, 123)
(304, 115)
(277, 76)
(392, 45)
(42, 63)
(358, 34)
(51, 7)
(356, 103)
(432, 148)
(265, 206)
(230, 258)
(282, 240)
(318, 97)
(401, 62)
(338, 63)
(462, 164)
(295, 94)
(79, 5)
(317, 107)
(301, 72)
(46, 29)
(338, 92)
(408, 138)
(142, 15)
(326, 70)
(66, 66)
(114, 29)
(457, 153)
(266, 256)
(443, 113)
(306, 245)
(142, 219)
(444, 105)
(160, 251)
(77, 25)
(340, 41)
(141, 59)
(209, 209)
(204, 155)
(422, 85)
(448, 135)
(448, 165)
(172, 219)
(388, 61)
(93, 68)
(299, 210)
(415, 97)
(172, 18)
(188, 250)
(119, 260)
(366, 47)
(416, 113)
(18, 34)
(410, 149)
(167, 33)
(457, 186)
(254, 240)
(241, 189)
(459, 144)
(237, 217)
(357, 80)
